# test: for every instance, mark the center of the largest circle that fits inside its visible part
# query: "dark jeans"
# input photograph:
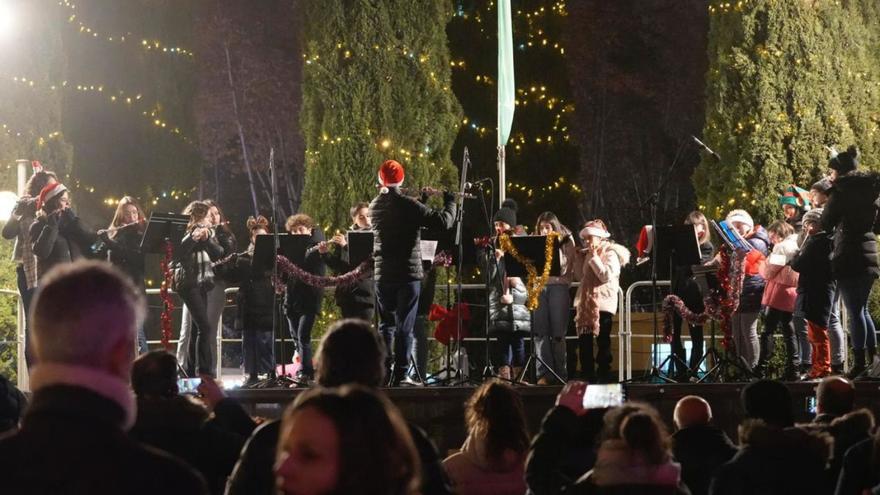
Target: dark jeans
(777, 318)
(398, 303)
(603, 355)
(200, 357)
(301, 330)
(360, 311)
(678, 348)
(855, 292)
(27, 295)
(257, 351)
(509, 349)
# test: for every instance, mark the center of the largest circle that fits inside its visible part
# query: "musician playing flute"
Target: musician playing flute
(122, 247)
(398, 264)
(58, 236)
(359, 299)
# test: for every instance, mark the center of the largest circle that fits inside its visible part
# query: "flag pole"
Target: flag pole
(506, 91)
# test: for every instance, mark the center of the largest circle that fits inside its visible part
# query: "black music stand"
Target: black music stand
(360, 246)
(292, 247)
(532, 248)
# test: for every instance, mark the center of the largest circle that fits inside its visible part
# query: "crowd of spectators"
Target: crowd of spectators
(100, 421)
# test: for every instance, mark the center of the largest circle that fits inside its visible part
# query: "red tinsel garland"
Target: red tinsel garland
(344, 280)
(719, 306)
(167, 302)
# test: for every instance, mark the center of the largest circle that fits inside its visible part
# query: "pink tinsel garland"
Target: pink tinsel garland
(719, 305)
(344, 280)
(167, 302)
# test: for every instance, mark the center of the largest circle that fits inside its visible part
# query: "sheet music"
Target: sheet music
(429, 249)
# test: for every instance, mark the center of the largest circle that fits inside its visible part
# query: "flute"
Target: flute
(414, 192)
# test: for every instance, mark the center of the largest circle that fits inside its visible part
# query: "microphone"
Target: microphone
(476, 184)
(708, 149)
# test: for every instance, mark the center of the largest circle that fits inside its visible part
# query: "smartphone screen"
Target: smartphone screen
(188, 385)
(603, 396)
(811, 405)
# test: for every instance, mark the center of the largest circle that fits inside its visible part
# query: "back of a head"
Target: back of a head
(835, 395)
(692, 410)
(351, 352)
(376, 451)
(644, 433)
(82, 313)
(154, 374)
(770, 401)
(495, 414)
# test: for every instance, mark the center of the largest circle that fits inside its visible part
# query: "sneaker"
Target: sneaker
(410, 382)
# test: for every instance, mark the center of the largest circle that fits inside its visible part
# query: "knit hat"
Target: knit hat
(507, 212)
(845, 162)
(813, 216)
(390, 175)
(795, 196)
(823, 186)
(741, 216)
(49, 192)
(595, 228)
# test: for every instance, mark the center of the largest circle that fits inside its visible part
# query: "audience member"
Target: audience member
(492, 459)
(835, 416)
(85, 318)
(180, 425)
(698, 445)
(350, 353)
(774, 457)
(12, 404)
(348, 440)
(860, 469)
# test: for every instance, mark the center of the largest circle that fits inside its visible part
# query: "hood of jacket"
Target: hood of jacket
(792, 443)
(617, 464)
(621, 252)
(857, 184)
(474, 449)
(846, 430)
(760, 240)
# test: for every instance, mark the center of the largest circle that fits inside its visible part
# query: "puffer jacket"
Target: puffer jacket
(396, 223)
(753, 283)
(849, 217)
(607, 268)
(780, 290)
(59, 238)
(473, 472)
(514, 317)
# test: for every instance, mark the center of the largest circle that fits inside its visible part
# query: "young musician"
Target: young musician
(358, 300)
(57, 236)
(18, 227)
(122, 241)
(254, 305)
(397, 255)
(598, 269)
(685, 286)
(303, 300)
(198, 250)
(217, 294)
(553, 313)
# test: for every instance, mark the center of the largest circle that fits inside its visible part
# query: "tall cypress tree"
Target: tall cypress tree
(376, 85)
(784, 79)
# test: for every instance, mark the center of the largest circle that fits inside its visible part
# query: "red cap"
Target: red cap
(391, 173)
(49, 192)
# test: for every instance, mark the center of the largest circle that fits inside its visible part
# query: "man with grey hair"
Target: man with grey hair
(73, 438)
(698, 445)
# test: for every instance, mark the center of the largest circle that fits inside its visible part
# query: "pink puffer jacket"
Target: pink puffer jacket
(781, 289)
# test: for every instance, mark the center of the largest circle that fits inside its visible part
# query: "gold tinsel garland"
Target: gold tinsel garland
(534, 284)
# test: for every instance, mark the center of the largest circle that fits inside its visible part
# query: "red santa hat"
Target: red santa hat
(390, 175)
(37, 166)
(49, 192)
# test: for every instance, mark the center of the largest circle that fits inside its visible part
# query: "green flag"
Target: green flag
(506, 85)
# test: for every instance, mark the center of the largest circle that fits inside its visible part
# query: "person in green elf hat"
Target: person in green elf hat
(795, 201)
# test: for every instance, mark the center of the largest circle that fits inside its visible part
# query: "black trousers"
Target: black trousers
(589, 365)
(200, 358)
(783, 319)
(678, 348)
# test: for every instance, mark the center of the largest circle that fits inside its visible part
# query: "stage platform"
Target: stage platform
(440, 410)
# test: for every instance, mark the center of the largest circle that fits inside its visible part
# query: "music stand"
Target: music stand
(532, 248)
(161, 229)
(360, 246)
(678, 246)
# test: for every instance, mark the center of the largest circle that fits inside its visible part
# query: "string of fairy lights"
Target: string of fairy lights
(150, 45)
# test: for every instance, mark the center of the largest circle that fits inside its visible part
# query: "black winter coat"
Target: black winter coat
(701, 450)
(753, 285)
(226, 271)
(360, 295)
(396, 223)
(301, 297)
(71, 442)
(255, 298)
(181, 427)
(124, 251)
(815, 283)
(849, 216)
(685, 286)
(187, 255)
(59, 238)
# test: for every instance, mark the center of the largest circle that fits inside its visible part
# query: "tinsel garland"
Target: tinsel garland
(535, 284)
(167, 302)
(344, 280)
(719, 305)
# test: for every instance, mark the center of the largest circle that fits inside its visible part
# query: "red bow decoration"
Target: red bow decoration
(448, 321)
